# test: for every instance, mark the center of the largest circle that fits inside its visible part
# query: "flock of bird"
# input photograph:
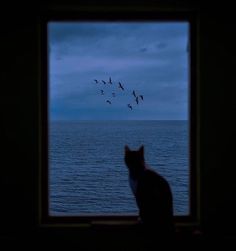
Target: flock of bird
(120, 86)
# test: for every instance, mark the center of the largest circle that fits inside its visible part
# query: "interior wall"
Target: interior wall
(20, 78)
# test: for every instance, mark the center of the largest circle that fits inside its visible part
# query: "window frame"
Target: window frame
(119, 14)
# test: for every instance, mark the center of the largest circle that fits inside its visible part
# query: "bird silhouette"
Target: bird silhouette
(136, 99)
(130, 106)
(134, 94)
(102, 92)
(121, 86)
(113, 94)
(110, 82)
(141, 96)
(109, 102)
(104, 82)
(96, 81)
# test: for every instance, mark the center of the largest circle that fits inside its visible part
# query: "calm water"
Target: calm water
(87, 170)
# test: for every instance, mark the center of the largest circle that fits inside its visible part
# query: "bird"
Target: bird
(109, 102)
(136, 99)
(141, 96)
(130, 106)
(113, 94)
(102, 92)
(110, 82)
(134, 94)
(103, 82)
(121, 86)
(96, 81)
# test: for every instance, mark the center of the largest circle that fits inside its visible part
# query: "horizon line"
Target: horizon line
(78, 120)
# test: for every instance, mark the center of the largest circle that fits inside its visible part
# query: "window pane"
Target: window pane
(112, 84)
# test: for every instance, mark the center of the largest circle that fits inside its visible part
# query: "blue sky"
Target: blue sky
(148, 57)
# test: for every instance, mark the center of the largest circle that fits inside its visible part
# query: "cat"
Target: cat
(152, 193)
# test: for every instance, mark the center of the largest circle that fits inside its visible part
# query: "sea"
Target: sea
(87, 173)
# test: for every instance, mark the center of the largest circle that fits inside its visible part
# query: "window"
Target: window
(112, 83)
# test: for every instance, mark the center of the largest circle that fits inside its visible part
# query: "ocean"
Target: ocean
(87, 173)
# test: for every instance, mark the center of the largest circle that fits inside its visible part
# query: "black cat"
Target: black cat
(152, 192)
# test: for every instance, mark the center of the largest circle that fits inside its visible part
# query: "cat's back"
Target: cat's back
(154, 183)
(154, 198)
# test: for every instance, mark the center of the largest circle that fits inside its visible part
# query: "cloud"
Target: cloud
(143, 49)
(148, 57)
(161, 45)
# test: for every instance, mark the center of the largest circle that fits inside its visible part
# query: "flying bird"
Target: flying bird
(141, 96)
(130, 106)
(103, 82)
(96, 81)
(102, 92)
(113, 94)
(136, 99)
(110, 82)
(134, 94)
(121, 86)
(109, 102)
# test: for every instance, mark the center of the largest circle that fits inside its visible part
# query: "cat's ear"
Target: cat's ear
(127, 149)
(141, 149)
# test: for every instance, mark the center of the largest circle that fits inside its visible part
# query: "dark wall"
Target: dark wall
(20, 82)
(19, 117)
(217, 114)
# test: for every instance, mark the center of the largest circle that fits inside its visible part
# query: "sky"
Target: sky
(150, 58)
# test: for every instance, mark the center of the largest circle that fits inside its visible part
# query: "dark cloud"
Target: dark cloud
(143, 49)
(161, 45)
(67, 31)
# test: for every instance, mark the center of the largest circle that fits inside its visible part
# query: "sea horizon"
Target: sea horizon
(97, 120)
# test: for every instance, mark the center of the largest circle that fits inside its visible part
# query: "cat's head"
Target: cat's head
(134, 160)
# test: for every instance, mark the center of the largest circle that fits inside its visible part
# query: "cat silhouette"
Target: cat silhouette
(152, 193)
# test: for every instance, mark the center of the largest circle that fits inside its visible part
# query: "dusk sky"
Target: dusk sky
(148, 57)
